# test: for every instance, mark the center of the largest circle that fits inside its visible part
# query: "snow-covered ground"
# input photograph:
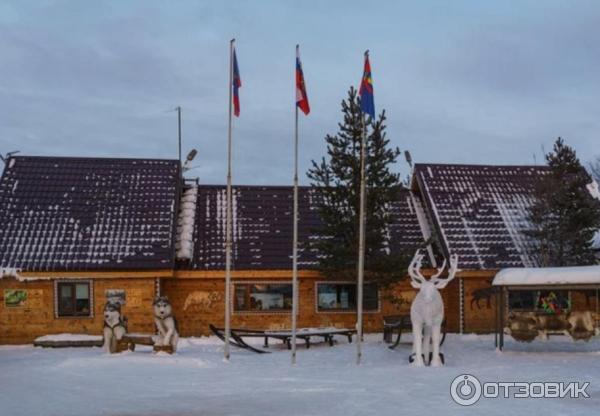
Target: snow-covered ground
(326, 381)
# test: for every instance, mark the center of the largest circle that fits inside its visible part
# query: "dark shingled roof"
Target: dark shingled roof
(480, 212)
(87, 213)
(262, 227)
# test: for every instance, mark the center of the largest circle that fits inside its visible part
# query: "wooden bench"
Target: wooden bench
(86, 341)
(400, 323)
(130, 340)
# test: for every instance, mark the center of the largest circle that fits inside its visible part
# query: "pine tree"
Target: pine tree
(564, 216)
(595, 169)
(337, 181)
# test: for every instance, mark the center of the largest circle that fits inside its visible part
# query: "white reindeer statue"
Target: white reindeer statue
(427, 310)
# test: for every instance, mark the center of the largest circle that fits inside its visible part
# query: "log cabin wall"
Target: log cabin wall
(479, 304)
(197, 302)
(200, 301)
(37, 316)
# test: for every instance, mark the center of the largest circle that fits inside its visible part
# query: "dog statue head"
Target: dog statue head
(162, 307)
(112, 313)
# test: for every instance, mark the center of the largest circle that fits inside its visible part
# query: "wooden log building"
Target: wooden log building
(77, 231)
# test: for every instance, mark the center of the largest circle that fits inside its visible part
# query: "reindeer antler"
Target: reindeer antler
(452, 270)
(440, 270)
(414, 270)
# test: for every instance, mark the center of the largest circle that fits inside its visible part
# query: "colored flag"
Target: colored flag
(367, 101)
(237, 84)
(301, 97)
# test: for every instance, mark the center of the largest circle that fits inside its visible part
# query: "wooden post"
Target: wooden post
(501, 334)
(496, 319)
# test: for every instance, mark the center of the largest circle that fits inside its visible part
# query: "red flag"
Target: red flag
(301, 97)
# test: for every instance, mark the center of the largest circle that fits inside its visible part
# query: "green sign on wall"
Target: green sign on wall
(13, 298)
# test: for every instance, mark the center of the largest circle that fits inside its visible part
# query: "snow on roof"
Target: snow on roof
(580, 275)
(262, 227)
(480, 212)
(10, 272)
(185, 223)
(74, 214)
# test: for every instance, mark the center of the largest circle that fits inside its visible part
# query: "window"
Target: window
(521, 300)
(554, 302)
(262, 297)
(342, 297)
(73, 299)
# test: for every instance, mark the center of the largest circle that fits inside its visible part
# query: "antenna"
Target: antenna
(8, 155)
(178, 109)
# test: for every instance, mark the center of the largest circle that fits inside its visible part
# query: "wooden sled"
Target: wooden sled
(236, 337)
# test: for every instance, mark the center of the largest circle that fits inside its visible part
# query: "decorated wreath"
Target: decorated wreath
(552, 304)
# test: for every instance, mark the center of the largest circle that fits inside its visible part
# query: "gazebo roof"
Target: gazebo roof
(548, 276)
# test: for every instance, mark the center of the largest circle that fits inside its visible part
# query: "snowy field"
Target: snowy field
(196, 381)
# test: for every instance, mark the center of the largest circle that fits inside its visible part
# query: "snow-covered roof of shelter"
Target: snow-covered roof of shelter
(541, 276)
(262, 227)
(480, 212)
(76, 214)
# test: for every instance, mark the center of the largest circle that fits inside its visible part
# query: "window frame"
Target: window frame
(343, 311)
(73, 282)
(265, 311)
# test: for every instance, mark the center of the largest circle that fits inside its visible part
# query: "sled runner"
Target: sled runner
(236, 337)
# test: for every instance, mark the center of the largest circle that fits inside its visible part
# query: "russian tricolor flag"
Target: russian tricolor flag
(301, 97)
(237, 84)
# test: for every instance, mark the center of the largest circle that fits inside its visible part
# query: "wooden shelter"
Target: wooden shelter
(527, 280)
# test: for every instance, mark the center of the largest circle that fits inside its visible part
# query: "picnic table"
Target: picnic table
(306, 333)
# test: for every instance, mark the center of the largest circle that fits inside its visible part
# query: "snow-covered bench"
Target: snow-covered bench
(68, 340)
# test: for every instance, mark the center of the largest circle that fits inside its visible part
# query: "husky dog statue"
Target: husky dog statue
(166, 324)
(115, 327)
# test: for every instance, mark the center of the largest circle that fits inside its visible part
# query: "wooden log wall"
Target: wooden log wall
(36, 317)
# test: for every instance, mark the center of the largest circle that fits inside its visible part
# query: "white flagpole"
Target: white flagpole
(229, 216)
(361, 248)
(295, 238)
(361, 244)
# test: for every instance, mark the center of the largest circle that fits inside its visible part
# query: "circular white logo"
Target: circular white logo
(465, 390)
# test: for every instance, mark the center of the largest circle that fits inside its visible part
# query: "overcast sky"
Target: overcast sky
(461, 81)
